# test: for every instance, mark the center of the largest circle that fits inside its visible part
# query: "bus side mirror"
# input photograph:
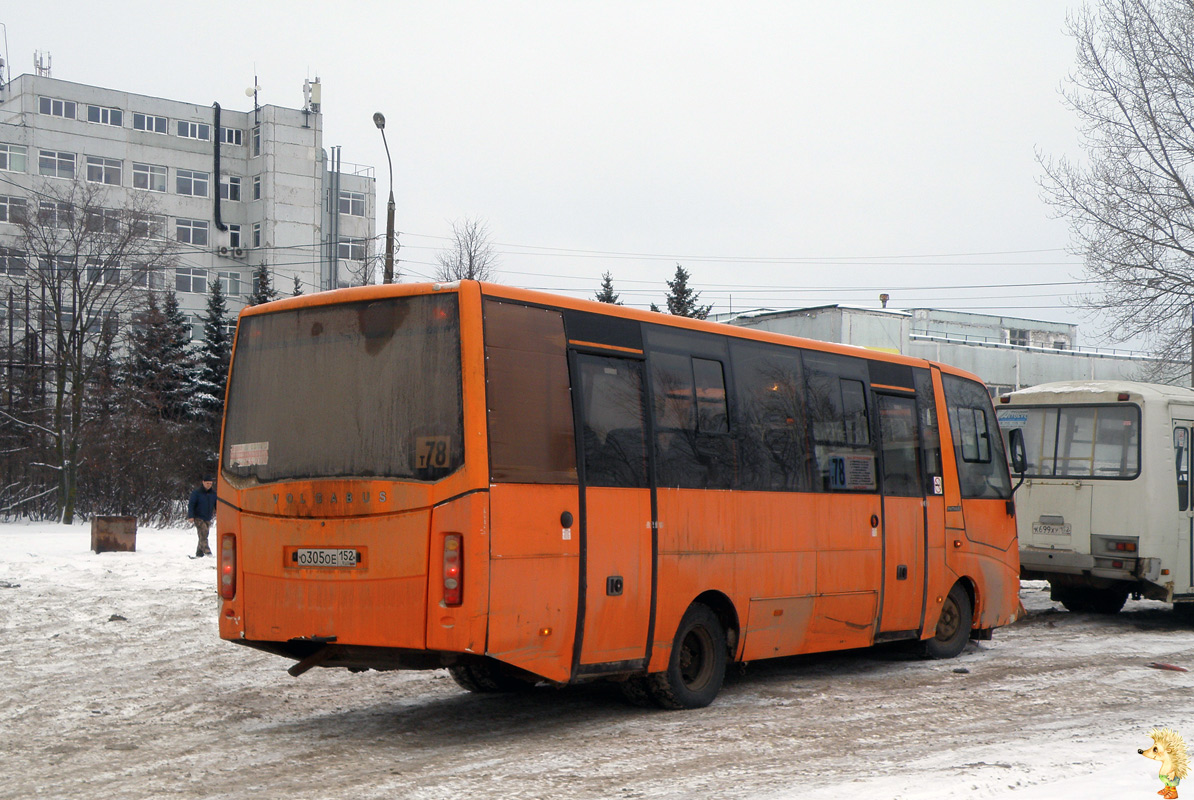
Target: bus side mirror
(1015, 446)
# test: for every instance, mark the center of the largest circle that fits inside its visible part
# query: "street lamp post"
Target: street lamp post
(380, 121)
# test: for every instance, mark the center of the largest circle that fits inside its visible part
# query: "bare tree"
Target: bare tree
(470, 256)
(76, 264)
(1131, 204)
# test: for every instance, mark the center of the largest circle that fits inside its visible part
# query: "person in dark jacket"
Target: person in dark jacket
(201, 510)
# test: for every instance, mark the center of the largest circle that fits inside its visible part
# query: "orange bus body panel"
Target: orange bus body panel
(618, 538)
(462, 628)
(381, 602)
(533, 578)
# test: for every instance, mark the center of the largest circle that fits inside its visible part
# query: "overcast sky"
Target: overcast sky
(786, 153)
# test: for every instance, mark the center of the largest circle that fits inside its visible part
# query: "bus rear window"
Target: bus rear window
(355, 390)
(1092, 441)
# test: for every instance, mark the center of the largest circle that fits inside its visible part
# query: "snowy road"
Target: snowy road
(117, 686)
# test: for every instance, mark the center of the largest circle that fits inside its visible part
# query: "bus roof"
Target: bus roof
(364, 293)
(1099, 392)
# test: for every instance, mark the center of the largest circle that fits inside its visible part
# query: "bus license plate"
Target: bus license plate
(325, 557)
(1051, 529)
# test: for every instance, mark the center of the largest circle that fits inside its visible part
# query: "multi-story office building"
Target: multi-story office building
(234, 189)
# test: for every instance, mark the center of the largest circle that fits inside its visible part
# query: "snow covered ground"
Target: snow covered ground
(116, 685)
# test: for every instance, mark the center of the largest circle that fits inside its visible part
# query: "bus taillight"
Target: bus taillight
(228, 566)
(453, 569)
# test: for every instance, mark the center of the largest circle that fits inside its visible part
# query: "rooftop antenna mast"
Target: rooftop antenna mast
(252, 92)
(42, 66)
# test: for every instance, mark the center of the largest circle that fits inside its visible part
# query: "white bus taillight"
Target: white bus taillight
(453, 569)
(228, 566)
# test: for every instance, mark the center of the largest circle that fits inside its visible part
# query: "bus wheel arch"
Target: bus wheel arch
(723, 607)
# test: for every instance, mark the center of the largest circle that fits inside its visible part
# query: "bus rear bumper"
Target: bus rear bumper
(356, 657)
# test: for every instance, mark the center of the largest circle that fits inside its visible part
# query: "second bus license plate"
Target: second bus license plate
(325, 557)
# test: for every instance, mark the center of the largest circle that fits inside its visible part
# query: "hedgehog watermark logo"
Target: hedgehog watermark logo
(1170, 749)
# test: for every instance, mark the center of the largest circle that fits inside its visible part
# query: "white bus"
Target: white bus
(1105, 510)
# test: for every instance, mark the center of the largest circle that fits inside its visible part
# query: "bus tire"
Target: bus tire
(486, 677)
(1108, 601)
(953, 626)
(697, 665)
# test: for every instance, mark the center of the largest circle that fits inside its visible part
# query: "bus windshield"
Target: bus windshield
(367, 389)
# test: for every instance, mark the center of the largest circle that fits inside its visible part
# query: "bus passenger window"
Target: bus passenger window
(692, 448)
(841, 426)
(770, 429)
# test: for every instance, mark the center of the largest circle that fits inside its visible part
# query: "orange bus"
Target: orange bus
(523, 487)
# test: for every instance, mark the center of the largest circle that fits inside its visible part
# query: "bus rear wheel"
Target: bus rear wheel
(1081, 599)
(697, 665)
(953, 626)
(487, 677)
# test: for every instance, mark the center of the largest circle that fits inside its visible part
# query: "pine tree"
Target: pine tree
(211, 357)
(607, 293)
(683, 301)
(298, 287)
(160, 365)
(263, 287)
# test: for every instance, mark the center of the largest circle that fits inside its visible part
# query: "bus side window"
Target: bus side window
(1181, 458)
(771, 431)
(840, 422)
(693, 449)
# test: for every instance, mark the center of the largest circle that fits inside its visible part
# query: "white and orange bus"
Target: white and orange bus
(522, 487)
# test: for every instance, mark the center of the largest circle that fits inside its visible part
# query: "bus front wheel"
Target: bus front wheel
(697, 665)
(953, 626)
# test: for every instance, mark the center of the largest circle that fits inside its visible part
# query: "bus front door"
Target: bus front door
(1183, 438)
(616, 525)
(903, 518)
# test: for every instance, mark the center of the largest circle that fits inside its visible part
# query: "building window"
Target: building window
(56, 164)
(106, 220)
(148, 226)
(148, 122)
(104, 170)
(232, 136)
(352, 203)
(189, 279)
(190, 182)
(12, 262)
(12, 209)
(56, 108)
(256, 187)
(1017, 336)
(105, 116)
(106, 274)
(255, 138)
(234, 236)
(191, 231)
(12, 157)
(352, 249)
(55, 214)
(230, 188)
(149, 176)
(229, 283)
(194, 130)
(257, 234)
(146, 277)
